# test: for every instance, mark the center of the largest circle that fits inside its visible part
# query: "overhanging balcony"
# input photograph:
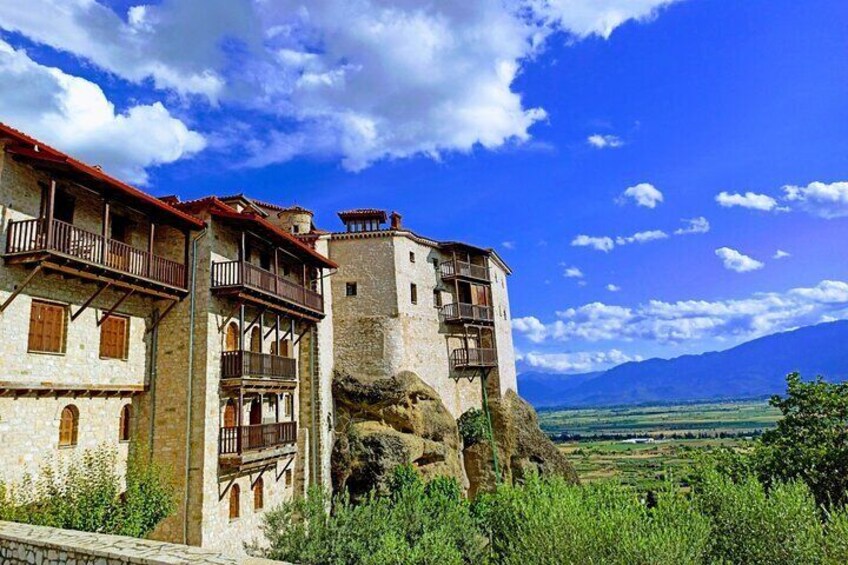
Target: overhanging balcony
(64, 247)
(244, 446)
(460, 312)
(257, 370)
(250, 281)
(454, 268)
(473, 358)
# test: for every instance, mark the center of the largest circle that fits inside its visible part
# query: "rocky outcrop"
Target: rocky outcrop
(522, 448)
(386, 422)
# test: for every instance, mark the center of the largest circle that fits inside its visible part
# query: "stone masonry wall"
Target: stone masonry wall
(505, 375)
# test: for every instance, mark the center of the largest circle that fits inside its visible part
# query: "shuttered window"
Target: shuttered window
(69, 426)
(114, 337)
(259, 494)
(235, 503)
(47, 327)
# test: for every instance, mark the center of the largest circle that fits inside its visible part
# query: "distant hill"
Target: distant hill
(752, 369)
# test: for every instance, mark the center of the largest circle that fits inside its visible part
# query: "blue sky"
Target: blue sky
(517, 124)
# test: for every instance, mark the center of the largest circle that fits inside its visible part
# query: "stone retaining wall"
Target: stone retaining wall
(22, 544)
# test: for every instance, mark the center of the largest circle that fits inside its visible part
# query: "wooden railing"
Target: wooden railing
(240, 273)
(29, 236)
(237, 364)
(462, 311)
(238, 439)
(470, 358)
(452, 268)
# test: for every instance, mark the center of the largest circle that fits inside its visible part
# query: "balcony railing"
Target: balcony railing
(460, 311)
(235, 440)
(240, 364)
(33, 236)
(454, 268)
(473, 358)
(239, 273)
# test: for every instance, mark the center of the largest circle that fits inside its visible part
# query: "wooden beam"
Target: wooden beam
(22, 286)
(51, 210)
(162, 315)
(115, 306)
(91, 299)
(107, 220)
(256, 319)
(151, 234)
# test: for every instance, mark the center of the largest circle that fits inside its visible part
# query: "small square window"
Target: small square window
(295, 228)
(350, 289)
(413, 293)
(47, 327)
(437, 298)
(411, 257)
(114, 337)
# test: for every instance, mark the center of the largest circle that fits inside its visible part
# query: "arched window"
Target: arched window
(258, 494)
(256, 340)
(69, 426)
(234, 502)
(230, 419)
(284, 349)
(231, 340)
(124, 426)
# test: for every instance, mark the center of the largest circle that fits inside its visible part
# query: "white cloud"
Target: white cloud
(641, 237)
(359, 81)
(604, 141)
(693, 226)
(74, 115)
(573, 273)
(676, 322)
(750, 200)
(736, 261)
(578, 362)
(781, 254)
(643, 194)
(508, 244)
(604, 243)
(820, 199)
(613, 288)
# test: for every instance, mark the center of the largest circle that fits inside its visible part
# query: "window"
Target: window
(47, 327)
(258, 494)
(295, 228)
(231, 339)
(230, 415)
(119, 228)
(413, 293)
(284, 349)
(350, 289)
(63, 208)
(235, 491)
(256, 340)
(114, 337)
(437, 298)
(411, 257)
(289, 406)
(288, 477)
(69, 426)
(124, 426)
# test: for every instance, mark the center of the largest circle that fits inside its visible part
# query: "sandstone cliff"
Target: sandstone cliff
(383, 422)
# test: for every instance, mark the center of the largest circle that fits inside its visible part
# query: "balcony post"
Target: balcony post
(150, 235)
(187, 235)
(240, 420)
(107, 219)
(276, 272)
(51, 210)
(241, 327)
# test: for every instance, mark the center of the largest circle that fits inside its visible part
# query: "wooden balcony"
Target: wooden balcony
(467, 359)
(257, 370)
(73, 250)
(460, 312)
(251, 281)
(454, 268)
(245, 446)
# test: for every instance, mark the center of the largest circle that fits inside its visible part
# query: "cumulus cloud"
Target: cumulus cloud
(613, 287)
(693, 226)
(641, 237)
(74, 115)
(578, 362)
(749, 200)
(573, 273)
(356, 81)
(604, 141)
(736, 261)
(676, 322)
(781, 254)
(643, 194)
(820, 199)
(604, 243)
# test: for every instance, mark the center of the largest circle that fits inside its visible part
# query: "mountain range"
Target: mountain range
(753, 369)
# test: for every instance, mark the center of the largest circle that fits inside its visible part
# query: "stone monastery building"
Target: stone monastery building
(206, 333)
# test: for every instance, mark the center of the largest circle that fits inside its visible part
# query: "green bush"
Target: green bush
(84, 494)
(473, 427)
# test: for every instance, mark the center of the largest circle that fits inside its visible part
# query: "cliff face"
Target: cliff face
(383, 422)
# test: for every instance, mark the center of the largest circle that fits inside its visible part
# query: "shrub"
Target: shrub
(473, 427)
(84, 494)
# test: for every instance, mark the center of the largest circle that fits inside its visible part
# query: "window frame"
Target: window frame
(73, 433)
(235, 502)
(125, 423)
(63, 337)
(351, 286)
(258, 495)
(413, 293)
(125, 352)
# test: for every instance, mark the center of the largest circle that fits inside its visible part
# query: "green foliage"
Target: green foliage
(472, 426)
(810, 442)
(84, 494)
(416, 523)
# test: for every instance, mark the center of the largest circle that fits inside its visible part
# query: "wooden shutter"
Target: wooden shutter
(229, 414)
(113, 337)
(234, 502)
(69, 426)
(47, 327)
(258, 494)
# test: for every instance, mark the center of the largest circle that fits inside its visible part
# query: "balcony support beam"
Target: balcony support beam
(162, 316)
(91, 299)
(115, 306)
(21, 287)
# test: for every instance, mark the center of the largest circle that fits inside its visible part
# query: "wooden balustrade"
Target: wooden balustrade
(35, 236)
(233, 440)
(460, 311)
(240, 364)
(455, 268)
(473, 358)
(240, 273)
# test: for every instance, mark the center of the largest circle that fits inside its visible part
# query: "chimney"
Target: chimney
(395, 220)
